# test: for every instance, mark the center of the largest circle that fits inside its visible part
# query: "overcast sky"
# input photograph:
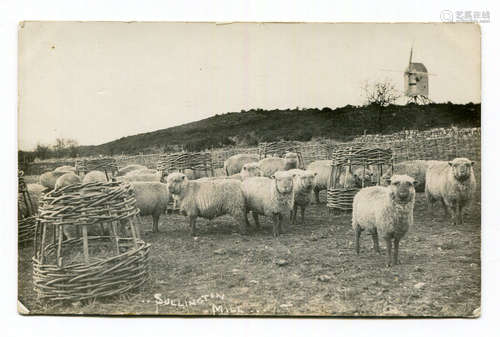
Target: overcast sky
(96, 82)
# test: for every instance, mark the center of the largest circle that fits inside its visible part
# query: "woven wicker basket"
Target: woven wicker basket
(340, 198)
(96, 264)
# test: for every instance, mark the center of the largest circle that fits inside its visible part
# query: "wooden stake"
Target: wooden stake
(134, 234)
(54, 235)
(42, 250)
(138, 229)
(59, 244)
(35, 243)
(115, 236)
(85, 244)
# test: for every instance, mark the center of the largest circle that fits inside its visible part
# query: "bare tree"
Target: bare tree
(381, 93)
(65, 147)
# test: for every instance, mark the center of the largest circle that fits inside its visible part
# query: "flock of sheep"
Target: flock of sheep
(276, 188)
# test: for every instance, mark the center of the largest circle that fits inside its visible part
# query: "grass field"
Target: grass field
(310, 270)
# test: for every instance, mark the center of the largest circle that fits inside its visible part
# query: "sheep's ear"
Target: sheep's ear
(450, 163)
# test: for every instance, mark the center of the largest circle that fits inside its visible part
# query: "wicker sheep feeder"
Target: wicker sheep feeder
(107, 165)
(182, 161)
(279, 149)
(26, 220)
(340, 197)
(94, 264)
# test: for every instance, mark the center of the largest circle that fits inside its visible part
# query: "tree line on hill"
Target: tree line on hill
(248, 128)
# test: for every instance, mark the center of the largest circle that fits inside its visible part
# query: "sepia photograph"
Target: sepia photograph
(249, 169)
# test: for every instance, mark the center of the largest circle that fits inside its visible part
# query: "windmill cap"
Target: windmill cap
(418, 67)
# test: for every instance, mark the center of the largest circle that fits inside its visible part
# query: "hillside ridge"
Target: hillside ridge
(248, 128)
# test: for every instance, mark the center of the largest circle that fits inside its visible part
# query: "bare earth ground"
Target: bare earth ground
(310, 270)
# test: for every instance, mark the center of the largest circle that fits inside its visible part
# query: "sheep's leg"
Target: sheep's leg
(388, 243)
(246, 219)
(302, 211)
(395, 259)
(316, 194)
(430, 202)
(458, 220)
(192, 223)
(445, 207)
(357, 234)
(294, 214)
(156, 218)
(256, 219)
(242, 219)
(452, 208)
(276, 225)
(281, 226)
(376, 246)
(460, 214)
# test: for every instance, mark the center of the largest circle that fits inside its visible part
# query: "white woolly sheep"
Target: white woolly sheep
(323, 170)
(35, 192)
(272, 197)
(302, 192)
(454, 184)
(48, 179)
(65, 168)
(270, 165)
(195, 174)
(129, 168)
(152, 198)
(363, 176)
(66, 180)
(248, 170)
(347, 179)
(234, 164)
(413, 168)
(156, 177)
(208, 199)
(94, 177)
(385, 211)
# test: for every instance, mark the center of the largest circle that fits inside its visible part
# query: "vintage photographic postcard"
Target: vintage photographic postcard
(249, 169)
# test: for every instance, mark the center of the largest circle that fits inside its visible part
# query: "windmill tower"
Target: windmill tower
(416, 82)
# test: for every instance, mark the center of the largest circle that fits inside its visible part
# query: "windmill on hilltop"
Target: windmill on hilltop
(416, 82)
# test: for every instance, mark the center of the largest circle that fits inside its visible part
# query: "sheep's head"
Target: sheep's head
(251, 170)
(402, 188)
(291, 160)
(163, 178)
(461, 168)
(284, 181)
(176, 182)
(304, 181)
(363, 176)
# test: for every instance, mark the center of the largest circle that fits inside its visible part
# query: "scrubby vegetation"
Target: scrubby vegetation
(248, 128)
